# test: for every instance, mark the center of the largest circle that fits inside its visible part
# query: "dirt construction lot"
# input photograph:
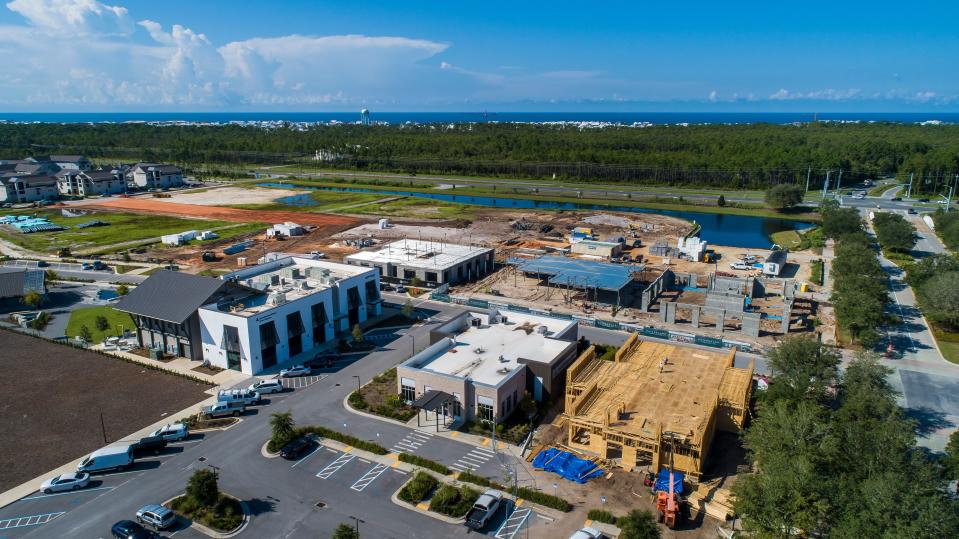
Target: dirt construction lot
(145, 205)
(52, 414)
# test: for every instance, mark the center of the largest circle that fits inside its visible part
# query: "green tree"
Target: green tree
(803, 368)
(721, 201)
(784, 196)
(638, 525)
(51, 275)
(939, 298)
(345, 531)
(357, 333)
(32, 299)
(202, 487)
(102, 323)
(894, 232)
(123, 290)
(85, 334)
(408, 309)
(952, 455)
(930, 266)
(282, 426)
(837, 222)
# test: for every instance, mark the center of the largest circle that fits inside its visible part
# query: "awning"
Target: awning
(432, 400)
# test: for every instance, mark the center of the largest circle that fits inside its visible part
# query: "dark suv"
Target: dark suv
(127, 529)
(296, 448)
(148, 445)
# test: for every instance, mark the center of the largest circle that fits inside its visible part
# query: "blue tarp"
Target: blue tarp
(662, 481)
(566, 464)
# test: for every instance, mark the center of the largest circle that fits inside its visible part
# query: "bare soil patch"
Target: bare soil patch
(55, 416)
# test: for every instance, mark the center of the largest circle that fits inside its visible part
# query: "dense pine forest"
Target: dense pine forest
(733, 156)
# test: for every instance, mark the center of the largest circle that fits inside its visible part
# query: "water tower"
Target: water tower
(365, 116)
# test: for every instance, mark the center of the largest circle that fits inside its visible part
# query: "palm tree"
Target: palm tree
(282, 425)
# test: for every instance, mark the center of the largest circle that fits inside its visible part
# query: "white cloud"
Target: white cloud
(829, 94)
(713, 96)
(81, 16)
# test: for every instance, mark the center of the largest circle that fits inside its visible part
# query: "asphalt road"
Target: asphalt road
(76, 271)
(282, 494)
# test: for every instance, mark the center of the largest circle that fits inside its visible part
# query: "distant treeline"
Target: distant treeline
(728, 156)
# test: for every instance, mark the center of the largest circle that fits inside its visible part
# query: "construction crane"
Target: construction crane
(667, 502)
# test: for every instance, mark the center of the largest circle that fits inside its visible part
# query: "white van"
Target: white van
(115, 457)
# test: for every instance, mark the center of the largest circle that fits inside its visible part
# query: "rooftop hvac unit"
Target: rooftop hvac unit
(541, 329)
(277, 298)
(479, 350)
(304, 285)
(503, 359)
(503, 370)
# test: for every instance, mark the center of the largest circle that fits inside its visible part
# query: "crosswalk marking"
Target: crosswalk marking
(334, 466)
(411, 442)
(472, 460)
(32, 520)
(369, 477)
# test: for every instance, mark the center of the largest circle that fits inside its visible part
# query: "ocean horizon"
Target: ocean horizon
(625, 118)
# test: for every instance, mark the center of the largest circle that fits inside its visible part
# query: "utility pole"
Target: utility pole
(356, 525)
(103, 427)
(825, 186)
(808, 172)
(839, 181)
(909, 192)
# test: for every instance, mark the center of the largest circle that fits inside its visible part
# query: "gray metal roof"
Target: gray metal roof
(170, 295)
(15, 282)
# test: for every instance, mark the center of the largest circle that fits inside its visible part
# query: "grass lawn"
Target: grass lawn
(88, 317)
(413, 207)
(948, 342)
(123, 227)
(789, 239)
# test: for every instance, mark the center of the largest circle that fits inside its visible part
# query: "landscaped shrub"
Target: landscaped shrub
(417, 488)
(601, 516)
(542, 498)
(452, 501)
(340, 437)
(357, 401)
(470, 477)
(425, 463)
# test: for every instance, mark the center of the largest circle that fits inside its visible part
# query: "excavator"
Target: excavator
(668, 502)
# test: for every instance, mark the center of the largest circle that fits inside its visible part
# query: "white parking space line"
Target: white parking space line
(300, 382)
(308, 455)
(32, 520)
(78, 491)
(513, 524)
(334, 466)
(370, 476)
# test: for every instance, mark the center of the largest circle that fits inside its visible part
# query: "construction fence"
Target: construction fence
(647, 331)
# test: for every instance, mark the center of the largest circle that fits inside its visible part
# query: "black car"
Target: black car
(911, 211)
(923, 200)
(296, 448)
(896, 199)
(150, 444)
(127, 529)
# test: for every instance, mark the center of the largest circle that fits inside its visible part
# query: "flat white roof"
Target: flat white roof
(295, 278)
(488, 354)
(424, 254)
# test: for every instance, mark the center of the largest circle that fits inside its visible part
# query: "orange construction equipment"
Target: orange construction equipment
(666, 502)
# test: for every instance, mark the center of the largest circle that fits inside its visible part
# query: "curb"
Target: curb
(432, 514)
(210, 532)
(266, 453)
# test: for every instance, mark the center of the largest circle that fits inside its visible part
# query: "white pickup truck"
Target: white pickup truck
(222, 409)
(484, 508)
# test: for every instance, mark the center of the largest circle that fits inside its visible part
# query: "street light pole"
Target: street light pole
(356, 525)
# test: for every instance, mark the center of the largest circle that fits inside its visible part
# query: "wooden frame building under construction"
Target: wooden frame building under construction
(655, 401)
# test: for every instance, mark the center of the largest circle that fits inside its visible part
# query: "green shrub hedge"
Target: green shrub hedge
(541, 498)
(340, 437)
(425, 463)
(417, 488)
(470, 477)
(452, 501)
(601, 516)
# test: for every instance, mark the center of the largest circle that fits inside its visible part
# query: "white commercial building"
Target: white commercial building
(174, 240)
(294, 305)
(481, 365)
(432, 262)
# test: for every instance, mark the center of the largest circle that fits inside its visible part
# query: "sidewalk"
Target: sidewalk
(184, 366)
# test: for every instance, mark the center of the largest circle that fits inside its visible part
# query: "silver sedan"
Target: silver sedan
(67, 481)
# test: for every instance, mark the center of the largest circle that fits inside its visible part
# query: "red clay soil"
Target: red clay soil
(140, 205)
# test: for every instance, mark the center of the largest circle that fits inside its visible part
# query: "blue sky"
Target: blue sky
(210, 55)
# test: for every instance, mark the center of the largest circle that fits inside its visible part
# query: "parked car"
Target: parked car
(296, 370)
(923, 200)
(296, 448)
(400, 288)
(157, 516)
(149, 444)
(943, 202)
(86, 266)
(267, 386)
(42, 263)
(587, 533)
(740, 266)
(222, 409)
(911, 211)
(64, 482)
(116, 457)
(245, 396)
(172, 432)
(483, 509)
(127, 529)
(896, 199)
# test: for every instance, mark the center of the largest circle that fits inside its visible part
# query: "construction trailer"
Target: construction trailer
(654, 399)
(774, 264)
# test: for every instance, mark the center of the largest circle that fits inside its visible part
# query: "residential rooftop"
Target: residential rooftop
(424, 254)
(490, 353)
(281, 281)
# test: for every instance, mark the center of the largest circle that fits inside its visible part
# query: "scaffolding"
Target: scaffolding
(629, 410)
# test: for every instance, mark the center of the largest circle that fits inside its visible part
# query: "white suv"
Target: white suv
(267, 386)
(173, 432)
